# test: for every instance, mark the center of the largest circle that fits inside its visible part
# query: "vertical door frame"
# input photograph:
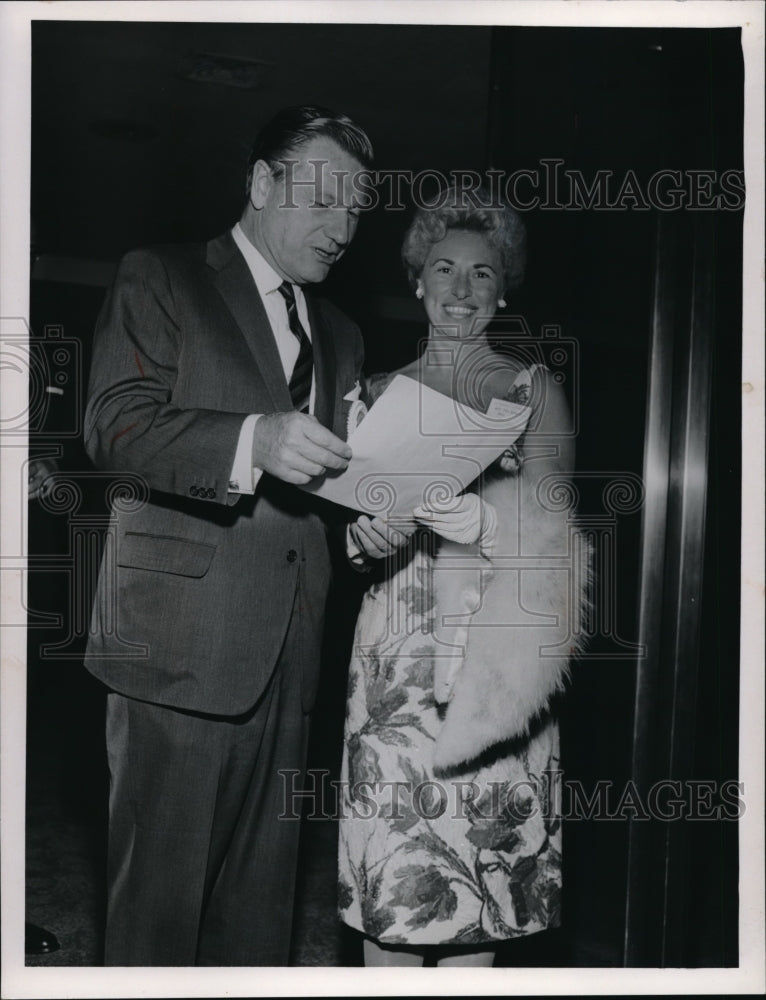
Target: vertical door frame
(671, 579)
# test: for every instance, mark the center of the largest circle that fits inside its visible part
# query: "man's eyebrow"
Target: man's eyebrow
(326, 199)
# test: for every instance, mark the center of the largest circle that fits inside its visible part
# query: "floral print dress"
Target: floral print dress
(425, 859)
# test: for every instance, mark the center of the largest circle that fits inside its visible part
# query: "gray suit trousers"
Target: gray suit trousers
(195, 835)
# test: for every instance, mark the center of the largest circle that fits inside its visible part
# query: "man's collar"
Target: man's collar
(265, 277)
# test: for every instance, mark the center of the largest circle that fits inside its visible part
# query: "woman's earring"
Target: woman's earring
(419, 292)
(501, 303)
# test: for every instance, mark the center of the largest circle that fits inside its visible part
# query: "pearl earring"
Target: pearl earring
(501, 303)
(418, 292)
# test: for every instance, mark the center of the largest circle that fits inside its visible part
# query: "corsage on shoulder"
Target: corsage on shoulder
(356, 414)
(356, 411)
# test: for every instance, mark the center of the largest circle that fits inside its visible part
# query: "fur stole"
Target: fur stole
(507, 621)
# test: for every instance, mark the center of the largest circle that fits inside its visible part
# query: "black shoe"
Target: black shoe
(38, 941)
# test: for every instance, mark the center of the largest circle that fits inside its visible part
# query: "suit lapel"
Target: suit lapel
(323, 344)
(238, 290)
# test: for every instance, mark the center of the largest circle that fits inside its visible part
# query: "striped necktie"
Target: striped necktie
(300, 380)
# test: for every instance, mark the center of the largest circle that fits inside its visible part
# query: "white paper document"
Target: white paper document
(417, 446)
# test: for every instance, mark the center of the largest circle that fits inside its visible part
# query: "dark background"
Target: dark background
(131, 147)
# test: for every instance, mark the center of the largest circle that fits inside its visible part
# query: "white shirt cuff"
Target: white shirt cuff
(244, 477)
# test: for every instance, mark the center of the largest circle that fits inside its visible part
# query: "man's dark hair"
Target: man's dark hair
(293, 127)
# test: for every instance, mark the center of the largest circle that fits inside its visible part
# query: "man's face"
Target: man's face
(305, 219)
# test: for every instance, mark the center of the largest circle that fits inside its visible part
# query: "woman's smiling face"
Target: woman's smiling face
(461, 284)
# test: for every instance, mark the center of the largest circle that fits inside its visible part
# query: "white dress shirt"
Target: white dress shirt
(244, 476)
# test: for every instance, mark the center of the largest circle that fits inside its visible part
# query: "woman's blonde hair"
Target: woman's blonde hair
(471, 211)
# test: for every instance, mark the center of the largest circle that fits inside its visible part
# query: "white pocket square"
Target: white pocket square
(354, 394)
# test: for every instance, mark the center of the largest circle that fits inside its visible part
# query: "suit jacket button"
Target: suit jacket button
(211, 493)
(194, 491)
(292, 555)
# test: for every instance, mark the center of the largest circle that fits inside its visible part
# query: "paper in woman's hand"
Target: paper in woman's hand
(417, 446)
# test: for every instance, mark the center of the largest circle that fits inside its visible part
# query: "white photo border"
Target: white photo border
(15, 109)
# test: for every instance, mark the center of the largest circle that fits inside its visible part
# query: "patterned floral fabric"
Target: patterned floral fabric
(425, 859)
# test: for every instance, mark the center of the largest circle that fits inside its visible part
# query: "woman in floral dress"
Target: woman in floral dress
(449, 836)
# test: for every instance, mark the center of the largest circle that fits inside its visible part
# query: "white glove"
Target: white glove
(465, 519)
(375, 538)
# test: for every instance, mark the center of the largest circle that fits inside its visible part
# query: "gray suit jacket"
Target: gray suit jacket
(197, 585)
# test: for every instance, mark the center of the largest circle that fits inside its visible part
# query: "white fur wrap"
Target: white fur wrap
(506, 628)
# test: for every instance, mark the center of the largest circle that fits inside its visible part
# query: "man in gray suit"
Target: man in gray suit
(219, 378)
